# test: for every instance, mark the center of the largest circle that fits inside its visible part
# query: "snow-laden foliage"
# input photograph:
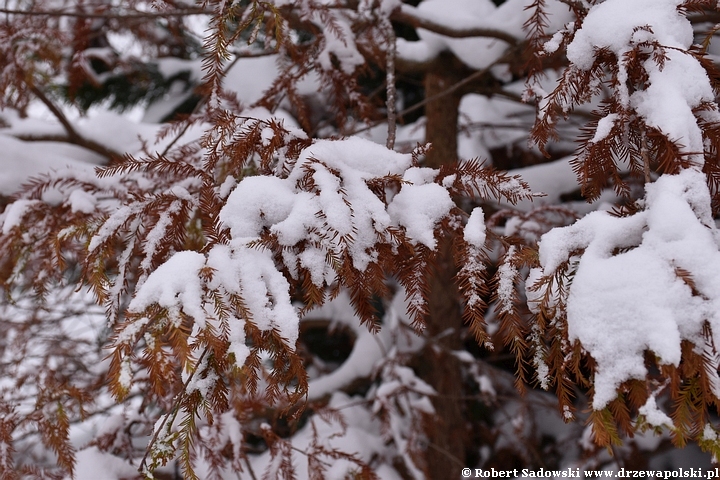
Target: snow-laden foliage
(636, 289)
(262, 269)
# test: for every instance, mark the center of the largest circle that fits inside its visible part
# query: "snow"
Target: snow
(674, 89)
(419, 52)
(605, 125)
(419, 208)
(339, 171)
(117, 132)
(174, 285)
(251, 273)
(108, 228)
(257, 202)
(369, 349)
(476, 52)
(507, 273)
(91, 461)
(14, 213)
(627, 296)
(668, 103)
(22, 160)
(263, 288)
(474, 233)
(338, 43)
(383, 7)
(236, 336)
(613, 24)
(551, 178)
(653, 415)
(709, 432)
(81, 201)
(487, 123)
(552, 45)
(358, 437)
(250, 77)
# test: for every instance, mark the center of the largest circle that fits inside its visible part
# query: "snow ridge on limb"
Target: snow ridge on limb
(633, 290)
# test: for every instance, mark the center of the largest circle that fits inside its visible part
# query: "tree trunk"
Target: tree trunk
(447, 432)
(441, 114)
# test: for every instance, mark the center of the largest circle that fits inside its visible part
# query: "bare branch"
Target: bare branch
(390, 86)
(575, 5)
(109, 14)
(72, 135)
(411, 16)
(452, 88)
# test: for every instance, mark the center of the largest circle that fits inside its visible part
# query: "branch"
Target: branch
(121, 15)
(72, 135)
(575, 5)
(706, 17)
(452, 88)
(391, 88)
(173, 413)
(413, 17)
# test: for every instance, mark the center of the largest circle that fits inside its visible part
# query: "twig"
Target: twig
(575, 5)
(644, 153)
(449, 455)
(121, 15)
(250, 469)
(390, 86)
(174, 414)
(452, 88)
(200, 104)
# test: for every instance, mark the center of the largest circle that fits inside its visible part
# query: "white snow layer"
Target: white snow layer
(675, 88)
(627, 295)
(339, 213)
(91, 462)
(476, 52)
(648, 281)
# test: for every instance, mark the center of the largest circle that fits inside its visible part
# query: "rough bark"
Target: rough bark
(442, 114)
(447, 431)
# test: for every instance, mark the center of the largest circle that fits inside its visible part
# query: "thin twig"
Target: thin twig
(575, 5)
(200, 104)
(250, 469)
(452, 88)
(174, 414)
(449, 455)
(121, 15)
(644, 153)
(390, 86)
(72, 133)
